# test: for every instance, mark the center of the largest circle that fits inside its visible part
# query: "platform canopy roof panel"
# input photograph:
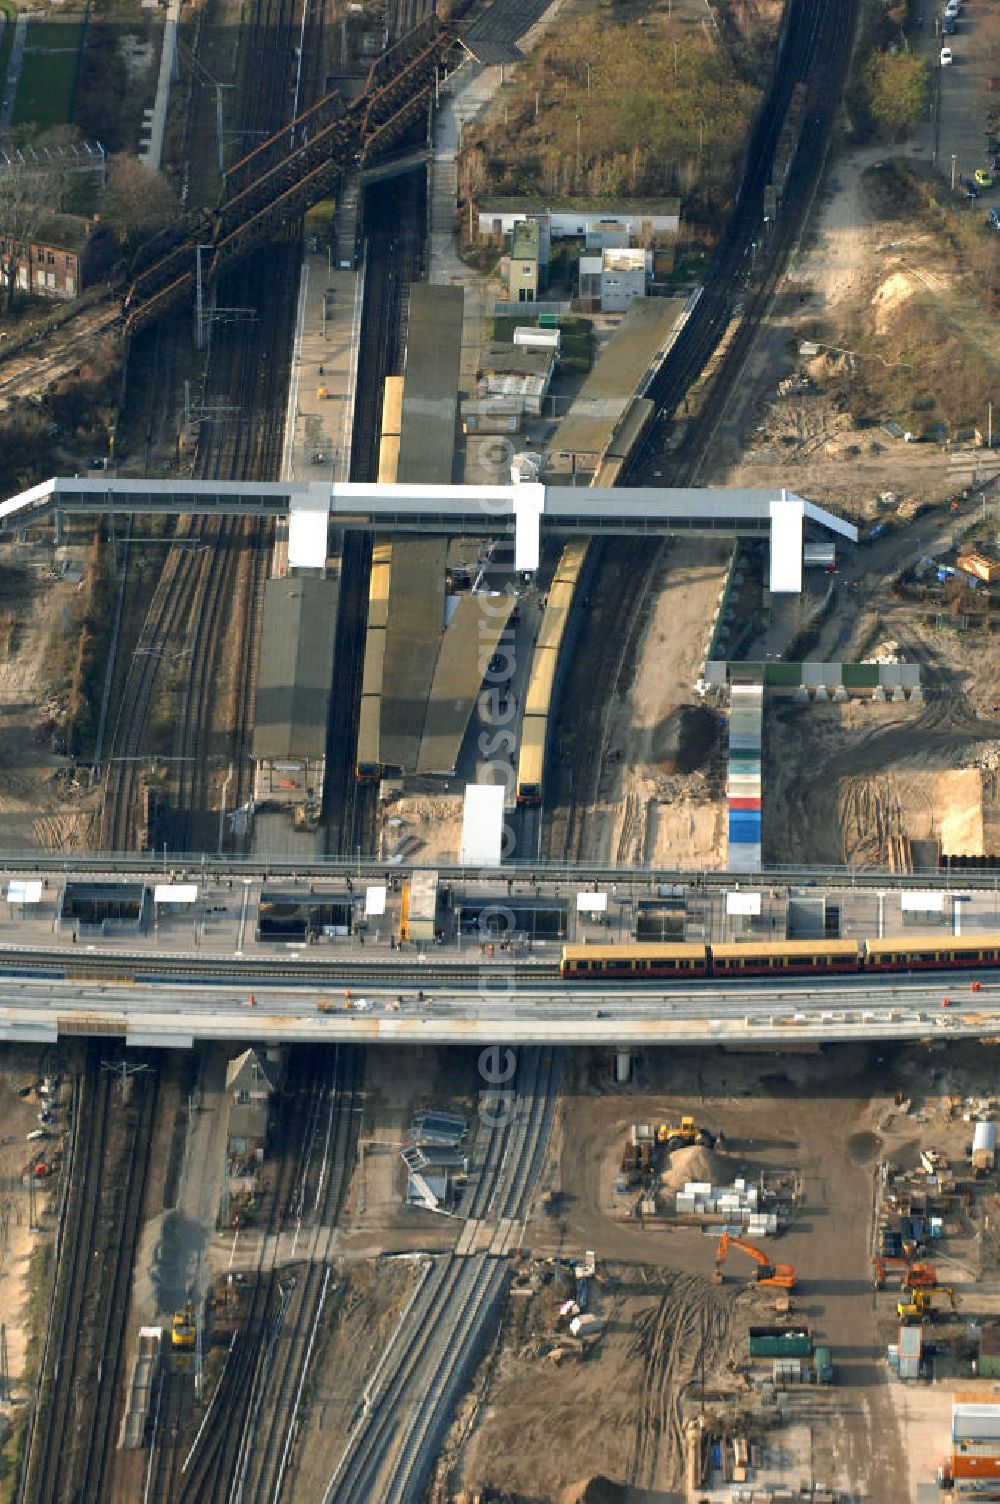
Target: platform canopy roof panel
(466, 647)
(608, 392)
(430, 386)
(412, 641)
(295, 677)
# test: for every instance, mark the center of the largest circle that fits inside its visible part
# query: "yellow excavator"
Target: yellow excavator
(782, 1276)
(918, 1306)
(182, 1328)
(684, 1134)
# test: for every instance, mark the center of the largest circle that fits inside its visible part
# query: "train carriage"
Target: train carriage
(611, 963)
(531, 759)
(785, 958)
(933, 952)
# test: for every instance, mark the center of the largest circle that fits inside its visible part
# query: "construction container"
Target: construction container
(779, 1342)
(529, 338)
(819, 555)
(984, 1148)
(982, 568)
(910, 1348)
(786, 1371)
(823, 1365)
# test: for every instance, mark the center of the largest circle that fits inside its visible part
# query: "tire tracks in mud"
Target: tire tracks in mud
(688, 1329)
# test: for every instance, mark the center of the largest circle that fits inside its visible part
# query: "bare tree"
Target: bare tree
(138, 201)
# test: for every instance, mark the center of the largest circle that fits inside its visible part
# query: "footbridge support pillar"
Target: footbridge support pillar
(623, 1065)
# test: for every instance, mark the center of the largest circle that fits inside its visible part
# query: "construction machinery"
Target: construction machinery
(915, 1276)
(782, 1276)
(684, 1135)
(182, 1327)
(919, 1305)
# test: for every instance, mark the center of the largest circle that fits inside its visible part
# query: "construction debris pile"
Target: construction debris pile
(737, 1205)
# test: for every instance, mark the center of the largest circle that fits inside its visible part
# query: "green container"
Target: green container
(823, 1365)
(860, 675)
(780, 1342)
(548, 321)
(783, 675)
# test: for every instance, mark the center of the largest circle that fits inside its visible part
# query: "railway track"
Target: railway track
(410, 1400)
(195, 966)
(816, 50)
(244, 1452)
(270, 1454)
(162, 634)
(71, 1434)
(208, 1468)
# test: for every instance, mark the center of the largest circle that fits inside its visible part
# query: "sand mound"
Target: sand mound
(696, 1163)
(685, 739)
(892, 293)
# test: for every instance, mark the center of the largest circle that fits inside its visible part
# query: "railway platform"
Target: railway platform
(352, 919)
(320, 411)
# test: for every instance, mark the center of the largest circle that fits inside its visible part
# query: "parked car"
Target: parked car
(37, 1133)
(994, 219)
(952, 9)
(948, 26)
(946, 57)
(984, 178)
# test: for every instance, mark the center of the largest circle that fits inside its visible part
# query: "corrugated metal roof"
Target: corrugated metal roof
(465, 650)
(295, 677)
(975, 1422)
(607, 393)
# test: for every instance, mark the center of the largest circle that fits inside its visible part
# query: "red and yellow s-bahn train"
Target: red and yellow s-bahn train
(787, 958)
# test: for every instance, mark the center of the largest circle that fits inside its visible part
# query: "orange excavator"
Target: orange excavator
(780, 1275)
(915, 1276)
